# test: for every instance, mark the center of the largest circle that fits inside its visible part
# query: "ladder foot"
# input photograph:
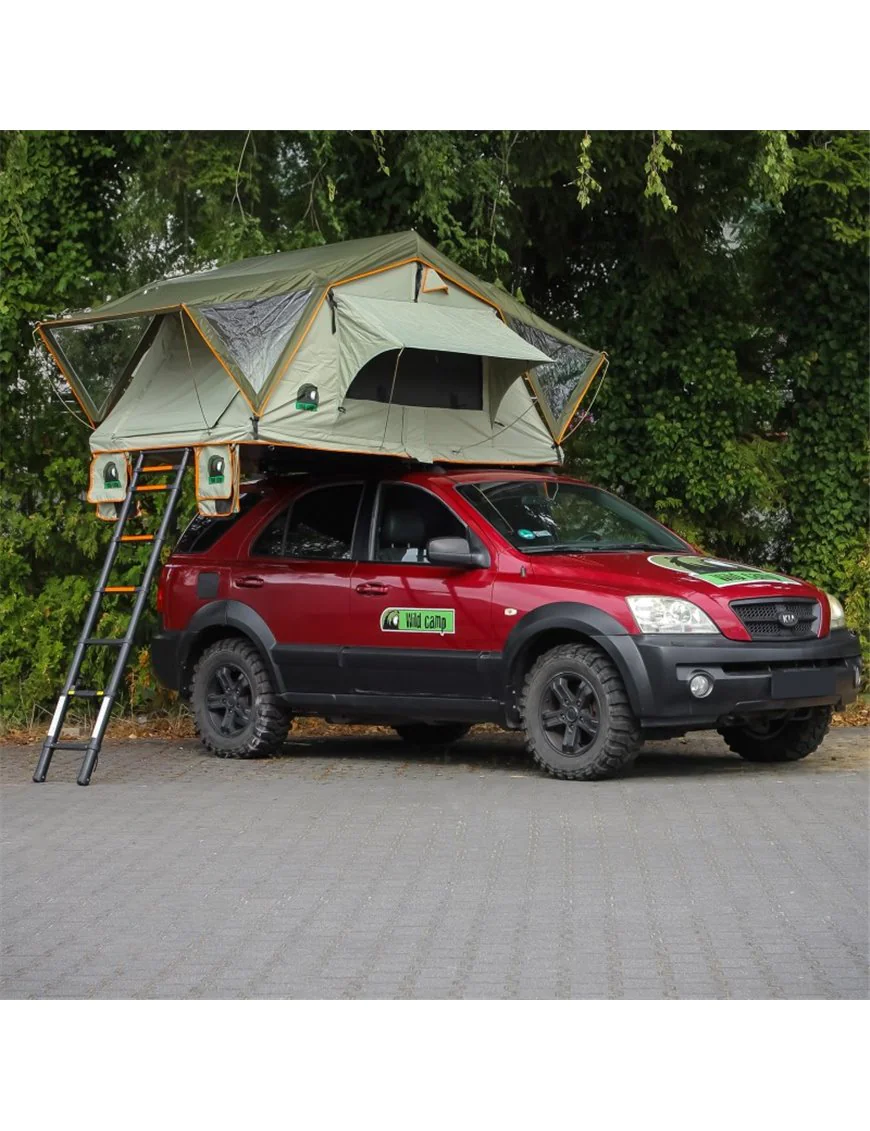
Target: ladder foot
(41, 771)
(89, 764)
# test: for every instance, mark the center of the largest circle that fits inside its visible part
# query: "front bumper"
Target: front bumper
(745, 676)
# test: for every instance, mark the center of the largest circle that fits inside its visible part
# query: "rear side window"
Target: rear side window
(318, 526)
(203, 532)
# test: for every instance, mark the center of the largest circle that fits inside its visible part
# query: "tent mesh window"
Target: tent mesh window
(254, 333)
(425, 379)
(97, 354)
(559, 379)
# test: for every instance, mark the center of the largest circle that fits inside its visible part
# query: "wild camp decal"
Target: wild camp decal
(717, 572)
(440, 621)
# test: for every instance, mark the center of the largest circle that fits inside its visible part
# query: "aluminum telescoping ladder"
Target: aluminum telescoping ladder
(124, 644)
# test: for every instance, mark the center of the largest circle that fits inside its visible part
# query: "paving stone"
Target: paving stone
(353, 869)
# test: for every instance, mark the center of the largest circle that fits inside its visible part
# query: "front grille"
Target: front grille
(763, 620)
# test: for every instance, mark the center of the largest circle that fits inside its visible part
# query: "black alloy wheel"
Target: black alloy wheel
(577, 716)
(229, 700)
(570, 713)
(237, 709)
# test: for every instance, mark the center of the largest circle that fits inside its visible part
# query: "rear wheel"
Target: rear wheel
(431, 736)
(779, 737)
(578, 721)
(238, 714)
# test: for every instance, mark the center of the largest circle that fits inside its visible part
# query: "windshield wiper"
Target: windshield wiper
(593, 548)
(556, 548)
(613, 546)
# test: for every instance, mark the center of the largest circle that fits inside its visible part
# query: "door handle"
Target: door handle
(249, 582)
(372, 589)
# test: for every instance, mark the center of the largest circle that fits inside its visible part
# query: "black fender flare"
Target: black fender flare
(586, 620)
(241, 618)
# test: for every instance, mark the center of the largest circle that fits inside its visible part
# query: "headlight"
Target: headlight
(838, 616)
(669, 614)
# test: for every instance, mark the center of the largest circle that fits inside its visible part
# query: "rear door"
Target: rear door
(296, 575)
(416, 628)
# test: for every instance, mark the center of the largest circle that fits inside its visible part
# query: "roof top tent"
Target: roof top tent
(380, 346)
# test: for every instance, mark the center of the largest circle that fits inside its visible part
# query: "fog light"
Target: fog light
(700, 685)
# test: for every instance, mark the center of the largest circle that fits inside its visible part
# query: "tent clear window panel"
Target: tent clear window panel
(425, 379)
(95, 356)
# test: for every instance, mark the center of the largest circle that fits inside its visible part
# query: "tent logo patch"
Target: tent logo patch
(718, 573)
(440, 621)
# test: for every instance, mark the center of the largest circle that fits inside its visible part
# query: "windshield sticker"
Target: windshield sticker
(440, 621)
(535, 533)
(718, 573)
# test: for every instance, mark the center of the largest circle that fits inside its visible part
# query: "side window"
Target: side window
(270, 541)
(202, 532)
(319, 526)
(408, 518)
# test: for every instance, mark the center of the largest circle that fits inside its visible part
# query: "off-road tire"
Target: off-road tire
(431, 736)
(618, 737)
(794, 740)
(269, 719)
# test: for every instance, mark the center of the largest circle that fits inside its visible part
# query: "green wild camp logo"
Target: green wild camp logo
(717, 572)
(440, 621)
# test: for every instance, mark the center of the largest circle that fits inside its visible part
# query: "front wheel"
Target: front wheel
(238, 714)
(431, 736)
(578, 721)
(779, 737)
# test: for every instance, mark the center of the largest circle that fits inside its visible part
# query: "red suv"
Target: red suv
(429, 600)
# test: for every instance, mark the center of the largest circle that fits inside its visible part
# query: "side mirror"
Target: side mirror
(455, 552)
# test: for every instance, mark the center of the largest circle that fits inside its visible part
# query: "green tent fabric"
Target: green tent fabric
(282, 323)
(370, 326)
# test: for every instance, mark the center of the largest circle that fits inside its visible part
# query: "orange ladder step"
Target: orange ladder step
(120, 589)
(159, 467)
(136, 538)
(153, 487)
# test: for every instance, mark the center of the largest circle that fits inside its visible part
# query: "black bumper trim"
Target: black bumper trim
(657, 670)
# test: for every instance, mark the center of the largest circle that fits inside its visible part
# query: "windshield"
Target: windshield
(550, 515)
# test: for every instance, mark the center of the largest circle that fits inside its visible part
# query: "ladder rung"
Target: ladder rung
(105, 640)
(136, 538)
(153, 487)
(71, 746)
(159, 467)
(86, 694)
(121, 589)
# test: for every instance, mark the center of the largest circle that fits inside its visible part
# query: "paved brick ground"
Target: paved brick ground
(348, 869)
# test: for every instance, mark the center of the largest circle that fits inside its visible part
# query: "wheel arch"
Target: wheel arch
(221, 620)
(568, 622)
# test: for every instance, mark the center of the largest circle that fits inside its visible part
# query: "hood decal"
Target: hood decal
(717, 572)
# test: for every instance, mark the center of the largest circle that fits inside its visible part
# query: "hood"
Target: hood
(710, 583)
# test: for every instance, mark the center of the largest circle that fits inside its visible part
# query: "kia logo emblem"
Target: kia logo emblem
(788, 620)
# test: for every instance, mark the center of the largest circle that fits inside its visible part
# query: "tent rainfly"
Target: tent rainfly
(379, 346)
